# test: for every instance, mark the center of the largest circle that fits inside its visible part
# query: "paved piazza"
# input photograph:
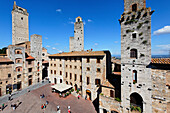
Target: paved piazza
(31, 103)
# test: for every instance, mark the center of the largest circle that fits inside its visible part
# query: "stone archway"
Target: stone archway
(75, 87)
(136, 101)
(88, 93)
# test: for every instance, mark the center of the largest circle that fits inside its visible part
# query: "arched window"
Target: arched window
(78, 19)
(134, 76)
(133, 53)
(134, 7)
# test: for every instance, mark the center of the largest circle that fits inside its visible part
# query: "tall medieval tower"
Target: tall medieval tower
(20, 31)
(77, 42)
(136, 80)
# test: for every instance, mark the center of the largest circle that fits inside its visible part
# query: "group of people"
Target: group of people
(43, 106)
(42, 96)
(15, 105)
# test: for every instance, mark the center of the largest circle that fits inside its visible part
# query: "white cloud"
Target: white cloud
(46, 37)
(71, 22)
(164, 46)
(54, 48)
(89, 20)
(95, 44)
(165, 30)
(115, 41)
(58, 10)
(47, 46)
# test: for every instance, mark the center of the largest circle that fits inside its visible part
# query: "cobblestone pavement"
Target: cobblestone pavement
(16, 94)
(31, 103)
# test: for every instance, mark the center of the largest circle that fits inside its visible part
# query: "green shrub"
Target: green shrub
(140, 34)
(72, 90)
(144, 42)
(118, 99)
(77, 91)
(139, 26)
(101, 94)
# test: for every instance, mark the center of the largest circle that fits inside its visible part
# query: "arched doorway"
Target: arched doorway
(88, 93)
(136, 101)
(61, 81)
(75, 87)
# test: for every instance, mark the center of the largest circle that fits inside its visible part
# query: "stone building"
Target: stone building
(77, 42)
(136, 80)
(84, 70)
(20, 29)
(23, 59)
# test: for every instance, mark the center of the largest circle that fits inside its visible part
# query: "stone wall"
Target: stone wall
(160, 92)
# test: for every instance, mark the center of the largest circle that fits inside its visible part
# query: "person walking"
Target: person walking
(78, 96)
(3, 106)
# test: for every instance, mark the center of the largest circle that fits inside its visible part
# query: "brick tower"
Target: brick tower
(136, 80)
(77, 42)
(20, 31)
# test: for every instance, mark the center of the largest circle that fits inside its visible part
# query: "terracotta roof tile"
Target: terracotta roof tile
(30, 58)
(79, 53)
(5, 59)
(160, 60)
(45, 62)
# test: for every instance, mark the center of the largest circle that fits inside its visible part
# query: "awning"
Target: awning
(61, 87)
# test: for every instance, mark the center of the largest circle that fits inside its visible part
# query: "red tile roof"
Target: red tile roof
(30, 58)
(160, 60)
(5, 59)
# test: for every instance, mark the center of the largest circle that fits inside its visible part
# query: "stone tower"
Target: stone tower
(77, 42)
(36, 52)
(20, 31)
(136, 80)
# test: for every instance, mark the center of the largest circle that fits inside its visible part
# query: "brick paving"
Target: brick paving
(31, 103)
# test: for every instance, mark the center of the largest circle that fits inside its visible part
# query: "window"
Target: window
(88, 69)
(75, 67)
(97, 81)
(66, 82)
(60, 72)
(51, 71)
(54, 65)
(80, 78)
(75, 59)
(78, 19)
(51, 64)
(112, 93)
(98, 60)
(134, 7)
(134, 35)
(66, 65)
(88, 60)
(21, 18)
(88, 80)
(29, 69)
(38, 69)
(60, 65)
(134, 76)
(29, 62)
(43, 54)
(133, 53)
(66, 75)
(80, 67)
(9, 75)
(19, 76)
(70, 66)
(98, 69)
(75, 77)
(70, 83)
(54, 71)
(70, 76)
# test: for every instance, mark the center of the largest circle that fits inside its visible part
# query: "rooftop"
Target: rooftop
(160, 60)
(80, 53)
(5, 59)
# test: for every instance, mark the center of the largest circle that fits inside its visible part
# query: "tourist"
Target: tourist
(86, 97)
(47, 102)
(40, 96)
(3, 106)
(78, 96)
(69, 111)
(42, 106)
(0, 109)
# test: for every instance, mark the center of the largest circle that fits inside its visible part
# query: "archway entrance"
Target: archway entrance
(19, 86)
(88, 93)
(75, 87)
(136, 101)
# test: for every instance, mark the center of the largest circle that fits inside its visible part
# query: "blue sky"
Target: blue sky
(53, 19)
